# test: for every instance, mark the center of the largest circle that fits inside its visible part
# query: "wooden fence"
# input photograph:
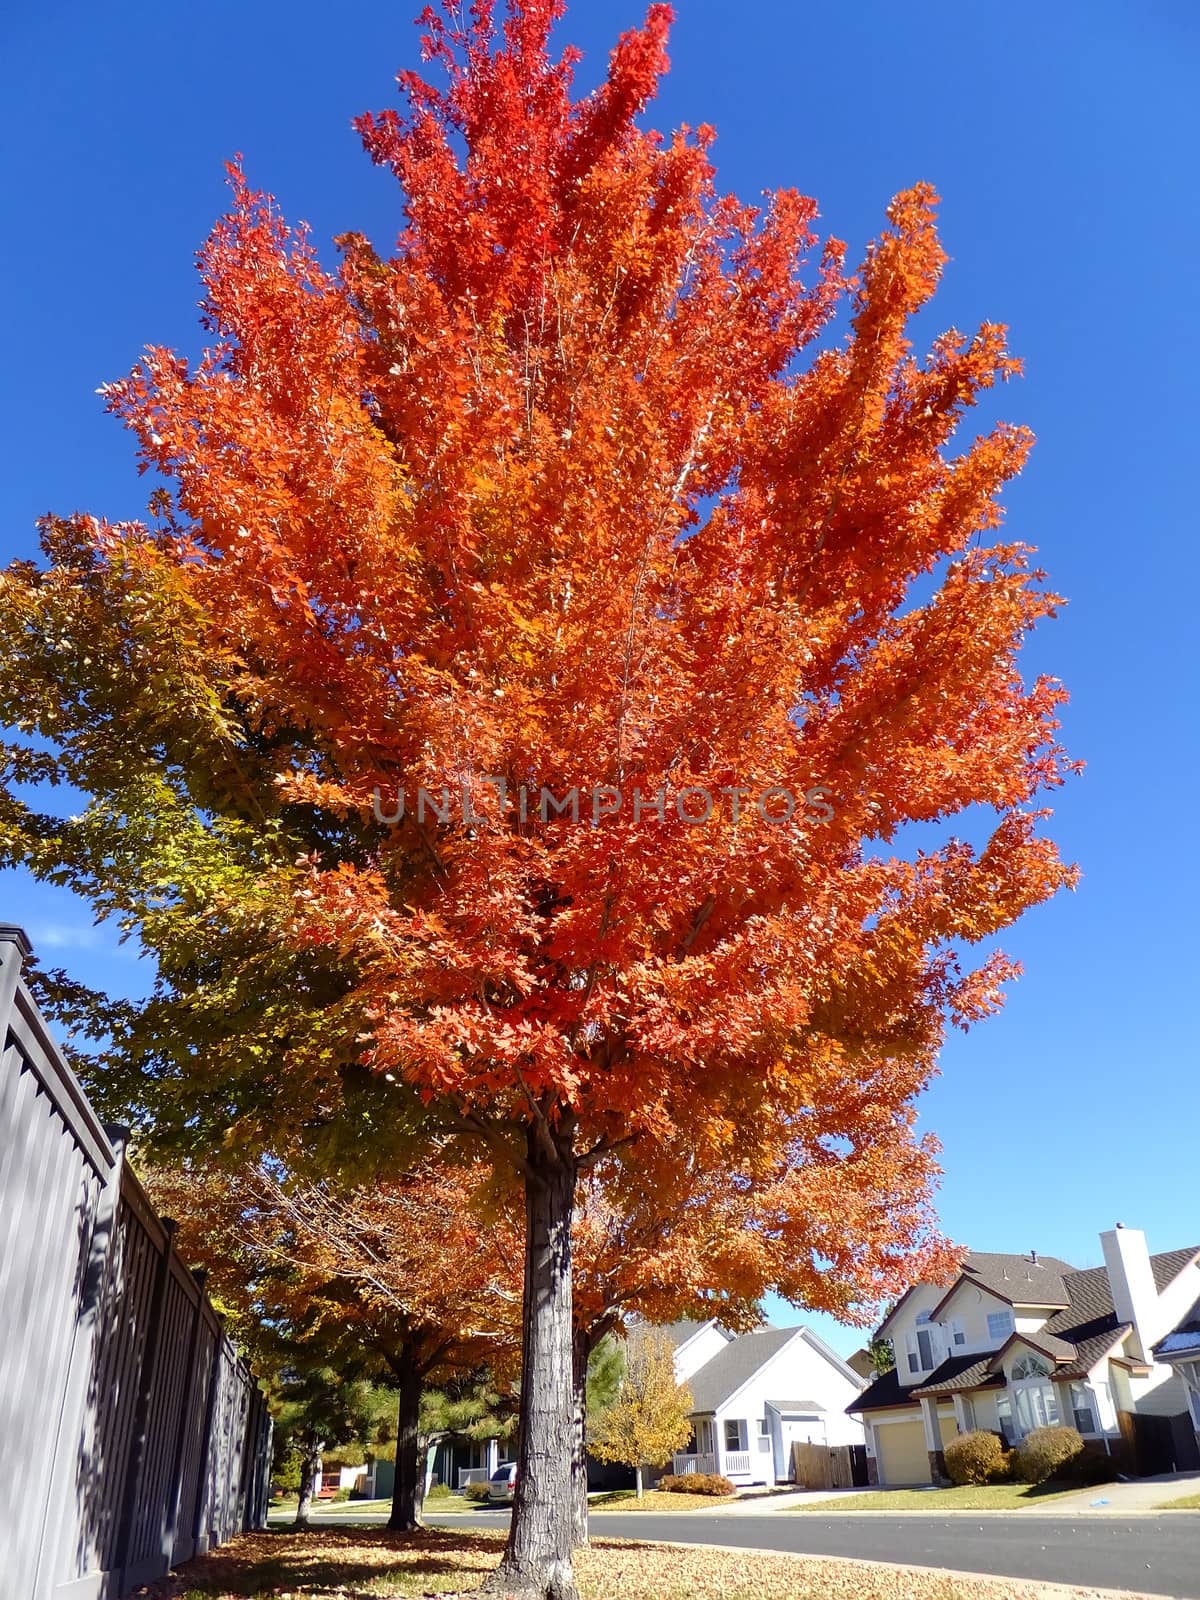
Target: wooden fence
(822, 1466)
(133, 1435)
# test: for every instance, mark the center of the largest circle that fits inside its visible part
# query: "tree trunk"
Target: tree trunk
(581, 1350)
(637, 1472)
(537, 1558)
(310, 1463)
(408, 1490)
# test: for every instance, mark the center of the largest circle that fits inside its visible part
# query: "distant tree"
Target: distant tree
(314, 1408)
(605, 1370)
(883, 1356)
(474, 1409)
(650, 1418)
(407, 1279)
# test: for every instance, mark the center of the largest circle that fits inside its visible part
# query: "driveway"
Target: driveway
(1151, 1554)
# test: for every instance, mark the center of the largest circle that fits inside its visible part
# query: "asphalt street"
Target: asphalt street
(1150, 1554)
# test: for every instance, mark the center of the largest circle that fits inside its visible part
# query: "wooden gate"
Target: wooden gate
(822, 1466)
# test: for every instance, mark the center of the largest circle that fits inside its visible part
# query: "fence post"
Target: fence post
(14, 948)
(175, 1487)
(214, 1383)
(141, 1416)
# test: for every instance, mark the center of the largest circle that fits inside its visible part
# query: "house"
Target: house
(755, 1394)
(1016, 1342)
(1180, 1350)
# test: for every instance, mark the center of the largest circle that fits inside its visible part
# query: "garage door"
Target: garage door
(902, 1454)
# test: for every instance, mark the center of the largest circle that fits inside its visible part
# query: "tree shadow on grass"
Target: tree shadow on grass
(334, 1562)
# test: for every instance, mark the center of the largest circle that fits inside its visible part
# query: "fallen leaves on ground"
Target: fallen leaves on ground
(369, 1564)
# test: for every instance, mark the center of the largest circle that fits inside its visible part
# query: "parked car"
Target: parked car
(502, 1484)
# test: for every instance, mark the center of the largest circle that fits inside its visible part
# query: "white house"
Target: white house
(754, 1394)
(1018, 1342)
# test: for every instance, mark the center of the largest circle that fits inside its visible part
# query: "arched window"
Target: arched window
(1035, 1404)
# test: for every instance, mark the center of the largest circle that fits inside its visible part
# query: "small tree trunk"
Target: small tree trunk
(637, 1472)
(581, 1347)
(408, 1490)
(310, 1463)
(537, 1558)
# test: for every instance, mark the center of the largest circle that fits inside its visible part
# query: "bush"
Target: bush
(710, 1483)
(477, 1492)
(439, 1491)
(974, 1457)
(1047, 1453)
(1007, 1469)
(341, 1495)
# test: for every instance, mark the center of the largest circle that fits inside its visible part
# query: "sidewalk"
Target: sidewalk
(1139, 1494)
(765, 1505)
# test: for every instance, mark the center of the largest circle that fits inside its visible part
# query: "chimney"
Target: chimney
(1134, 1292)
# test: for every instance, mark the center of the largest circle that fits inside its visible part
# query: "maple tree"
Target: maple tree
(410, 1275)
(650, 1418)
(566, 495)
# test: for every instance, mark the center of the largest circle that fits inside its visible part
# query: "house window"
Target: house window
(958, 1334)
(733, 1434)
(1037, 1406)
(929, 1345)
(1083, 1408)
(968, 1406)
(1000, 1324)
(1034, 1400)
(1005, 1418)
(914, 1359)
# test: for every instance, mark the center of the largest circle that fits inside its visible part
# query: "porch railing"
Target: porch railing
(737, 1462)
(468, 1475)
(684, 1464)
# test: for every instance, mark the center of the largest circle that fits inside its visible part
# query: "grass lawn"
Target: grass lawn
(984, 1497)
(1190, 1502)
(656, 1500)
(362, 1564)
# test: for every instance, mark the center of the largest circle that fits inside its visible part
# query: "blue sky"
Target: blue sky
(1063, 140)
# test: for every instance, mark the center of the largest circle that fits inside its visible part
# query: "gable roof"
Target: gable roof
(1184, 1337)
(958, 1374)
(678, 1333)
(720, 1379)
(796, 1408)
(885, 1394)
(1017, 1280)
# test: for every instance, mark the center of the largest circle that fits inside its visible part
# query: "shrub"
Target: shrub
(710, 1483)
(1006, 1471)
(438, 1491)
(974, 1457)
(341, 1495)
(1047, 1453)
(477, 1492)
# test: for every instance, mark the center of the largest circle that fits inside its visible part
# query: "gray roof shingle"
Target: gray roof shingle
(1018, 1279)
(719, 1379)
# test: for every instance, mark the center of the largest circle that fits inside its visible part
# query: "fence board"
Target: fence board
(113, 1363)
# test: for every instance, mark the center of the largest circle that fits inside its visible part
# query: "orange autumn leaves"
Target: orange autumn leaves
(582, 484)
